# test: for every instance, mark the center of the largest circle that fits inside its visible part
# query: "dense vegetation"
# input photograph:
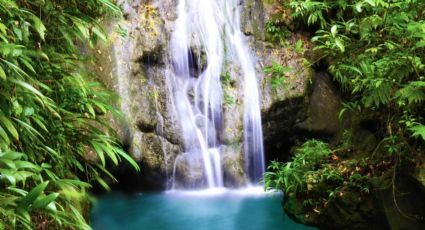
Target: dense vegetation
(375, 51)
(54, 141)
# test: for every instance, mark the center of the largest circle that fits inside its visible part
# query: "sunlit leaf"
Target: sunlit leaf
(39, 26)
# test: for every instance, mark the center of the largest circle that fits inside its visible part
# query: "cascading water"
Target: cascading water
(210, 30)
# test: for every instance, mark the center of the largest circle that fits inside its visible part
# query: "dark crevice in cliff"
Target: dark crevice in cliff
(130, 181)
(287, 124)
(152, 57)
(146, 127)
(282, 131)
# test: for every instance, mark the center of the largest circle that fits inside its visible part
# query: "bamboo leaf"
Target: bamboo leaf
(9, 126)
(43, 202)
(99, 151)
(4, 135)
(107, 148)
(2, 73)
(8, 163)
(28, 87)
(9, 175)
(111, 6)
(29, 199)
(18, 191)
(11, 155)
(128, 159)
(3, 28)
(38, 26)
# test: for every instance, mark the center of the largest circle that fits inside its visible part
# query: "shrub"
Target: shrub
(51, 113)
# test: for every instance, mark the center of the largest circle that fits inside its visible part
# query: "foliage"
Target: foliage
(317, 176)
(292, 176)
(299, 46)
(276, 33)
(228, 85)
(384, 71)
(229, 99)
(277, 73)
(52, 113)
(375, 51)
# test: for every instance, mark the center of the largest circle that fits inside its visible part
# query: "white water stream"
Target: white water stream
(209, 30)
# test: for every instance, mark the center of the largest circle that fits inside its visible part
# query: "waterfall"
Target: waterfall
(205, 33)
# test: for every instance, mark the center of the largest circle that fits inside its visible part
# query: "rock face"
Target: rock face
(343, 213)
(135, 66)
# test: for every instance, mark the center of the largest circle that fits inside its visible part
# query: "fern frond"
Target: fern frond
(378, 94)
(418, 131)
(414, 92)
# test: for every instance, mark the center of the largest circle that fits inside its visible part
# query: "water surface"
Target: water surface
(208, 210)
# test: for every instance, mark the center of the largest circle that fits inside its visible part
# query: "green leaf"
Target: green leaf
(103, 183)
(28, 111)
(98, 151)
(11, 155)
(108, 150)
(334, 30)
(420, 44)
(128, 159)
(99, 33)
(43, 202)
(27, 64)
(371, 2)
(91, 110)
(40, 124)
(29, 128)
(82, 27)
(359, 7)
(2, 73)
(25, 215)
(38, 26)
(9, 126)
(418, 131)
(3, 28)
(15, 68)
(27, 165)
(4, 135)
(9, 175)
(52, 207)
(23, 175)
(75, 183)
(111, 6)
(8, 163)
(340, 45)
(28, 87)
(29, 199)
(18, 191)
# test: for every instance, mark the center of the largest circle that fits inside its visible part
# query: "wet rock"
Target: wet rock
(345, 212)
(156, 156)
(233, 166)
(189, 172)
(293, 84)
(253, 18)
(419, 172)
(150, 36)
(323, 107)
(233, 105)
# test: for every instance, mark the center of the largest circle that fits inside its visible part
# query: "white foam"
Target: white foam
(252, 191)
